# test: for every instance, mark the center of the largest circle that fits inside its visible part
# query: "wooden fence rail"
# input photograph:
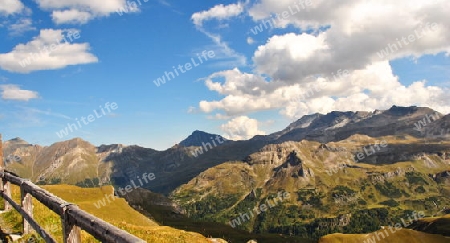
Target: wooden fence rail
(73, 219)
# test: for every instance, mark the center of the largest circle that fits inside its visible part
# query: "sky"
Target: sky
(150, 72)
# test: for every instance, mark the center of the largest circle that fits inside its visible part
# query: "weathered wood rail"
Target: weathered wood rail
(73, 219)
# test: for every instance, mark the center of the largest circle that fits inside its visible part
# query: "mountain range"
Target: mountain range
(340, 169)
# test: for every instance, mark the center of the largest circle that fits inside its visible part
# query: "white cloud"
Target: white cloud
(220, 12)
(250, 40)
(48, 113)
(72, 16)
(101, 7)
(236, 83)
(295, 72)
(21, 26)
(8, 7)
(165, 3)
(291, 57)
(13, 92)
(81, 11)
(240, 128)
(374, 87)
(52, 49)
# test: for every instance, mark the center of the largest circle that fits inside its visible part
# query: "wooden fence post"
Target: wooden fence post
(71, 232)
(6, 188)
(27, 205)
(5, 185)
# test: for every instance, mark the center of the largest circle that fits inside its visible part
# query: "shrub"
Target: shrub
(390, 202)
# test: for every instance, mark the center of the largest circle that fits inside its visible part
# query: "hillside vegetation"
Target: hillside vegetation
(163, 210)
(118, 213)
(330, 190)
(345, 172)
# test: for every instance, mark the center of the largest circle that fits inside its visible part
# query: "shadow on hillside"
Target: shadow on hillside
(174, 166)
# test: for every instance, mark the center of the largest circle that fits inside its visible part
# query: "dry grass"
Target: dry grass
(118, 213)
(401, 236)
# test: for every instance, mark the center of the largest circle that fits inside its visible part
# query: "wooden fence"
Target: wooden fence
(73, 219)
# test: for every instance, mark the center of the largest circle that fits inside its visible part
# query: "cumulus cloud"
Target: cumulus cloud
(81, 11)
(300, 73)
(8, 7)
(295, 56)
(52, 49)
(102, 7)
(219, 12)
(72, 16)
(240, 128)
(374, 87)
(21, 26)
(13, 92)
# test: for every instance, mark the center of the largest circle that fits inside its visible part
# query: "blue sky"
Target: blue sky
(254, 84)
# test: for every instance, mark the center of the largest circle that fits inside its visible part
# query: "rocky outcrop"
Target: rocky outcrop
(442, 177)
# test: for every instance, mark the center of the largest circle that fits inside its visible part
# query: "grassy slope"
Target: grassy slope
(401, 236)
(224, 177)
(434, 225)
(118, 213)
(213, 229)
(239, 178)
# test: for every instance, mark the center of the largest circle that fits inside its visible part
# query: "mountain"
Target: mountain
(19, 156)
(80, 163)
(175, 166)
(71, 162)
(435, 129)
(199, 138)
(16, 142)
(331, 188)
(339, 168)
(338, 125)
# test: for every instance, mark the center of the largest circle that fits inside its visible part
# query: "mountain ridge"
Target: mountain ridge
(177, 165)
(310, 159)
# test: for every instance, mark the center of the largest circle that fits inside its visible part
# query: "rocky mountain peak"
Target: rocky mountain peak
(74, 143)
(112, 148)
(303, 122)
(408, 111)
(197, 138)
(17, 141)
